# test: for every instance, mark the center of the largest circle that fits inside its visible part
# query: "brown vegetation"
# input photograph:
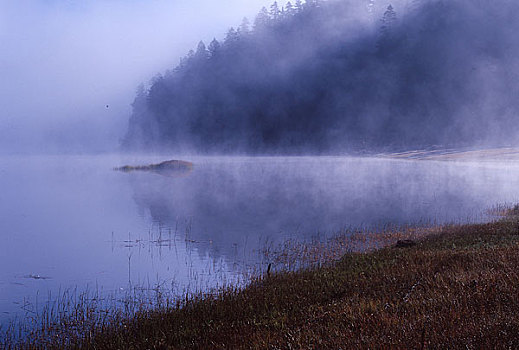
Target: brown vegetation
(457, 288)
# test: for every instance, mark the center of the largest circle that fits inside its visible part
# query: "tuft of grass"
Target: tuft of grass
(504, 211)
(457, 287)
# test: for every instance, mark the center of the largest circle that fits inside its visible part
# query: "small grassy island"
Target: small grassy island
(456, 287)
(167, 168)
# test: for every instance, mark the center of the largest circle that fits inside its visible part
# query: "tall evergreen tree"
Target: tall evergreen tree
(201, 51)
(244, 28)
(214, 47)
(389, 19)
(140, 131)
(386, 29)
(289, 9)
(274, 11)
(262, 19)
(231, 36)
(184, 61)
(299, 6)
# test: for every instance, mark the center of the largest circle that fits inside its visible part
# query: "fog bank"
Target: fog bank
(70, 68)
(335, 76)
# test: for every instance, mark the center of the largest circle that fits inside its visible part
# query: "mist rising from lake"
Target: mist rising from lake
(73, 222)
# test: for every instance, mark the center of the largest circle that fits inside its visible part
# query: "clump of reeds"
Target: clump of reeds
(504, 210)
(73, 317)
(294, 254)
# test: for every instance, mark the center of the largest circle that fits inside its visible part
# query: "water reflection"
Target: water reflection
(232, 201)
(74, 222)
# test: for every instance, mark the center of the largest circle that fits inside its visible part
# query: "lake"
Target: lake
(72, 222)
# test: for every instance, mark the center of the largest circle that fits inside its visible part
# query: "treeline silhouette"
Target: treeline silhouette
(315, 78)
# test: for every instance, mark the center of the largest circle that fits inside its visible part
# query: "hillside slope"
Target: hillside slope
(331, 77)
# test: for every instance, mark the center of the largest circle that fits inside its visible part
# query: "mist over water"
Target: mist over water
(328, 78)
(73, 222)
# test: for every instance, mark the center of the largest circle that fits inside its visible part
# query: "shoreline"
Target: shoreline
(455, 287)
(469, 155)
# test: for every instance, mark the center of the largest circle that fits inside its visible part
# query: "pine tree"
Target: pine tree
(139, 130)
(185, 61)
(389, 19)
(387, 27)
(299, 6)
(289, 9)
(214, 48)
(244, 28)
(262, 19)
(231, 36)
(201, 51)
(274, 11)
(141, 97)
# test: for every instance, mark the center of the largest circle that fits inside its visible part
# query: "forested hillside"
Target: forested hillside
(338, 76)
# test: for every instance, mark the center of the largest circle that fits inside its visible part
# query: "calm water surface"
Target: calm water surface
(72, 222)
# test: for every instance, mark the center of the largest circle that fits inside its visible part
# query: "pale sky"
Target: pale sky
(63, 61)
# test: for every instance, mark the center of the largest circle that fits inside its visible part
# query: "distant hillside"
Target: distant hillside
(331, 77)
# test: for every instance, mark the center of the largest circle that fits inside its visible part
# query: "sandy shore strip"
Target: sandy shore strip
(490, 154)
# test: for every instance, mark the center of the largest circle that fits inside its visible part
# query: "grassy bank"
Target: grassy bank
(456, 288)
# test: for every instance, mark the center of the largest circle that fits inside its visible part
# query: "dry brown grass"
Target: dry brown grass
(458, 288)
